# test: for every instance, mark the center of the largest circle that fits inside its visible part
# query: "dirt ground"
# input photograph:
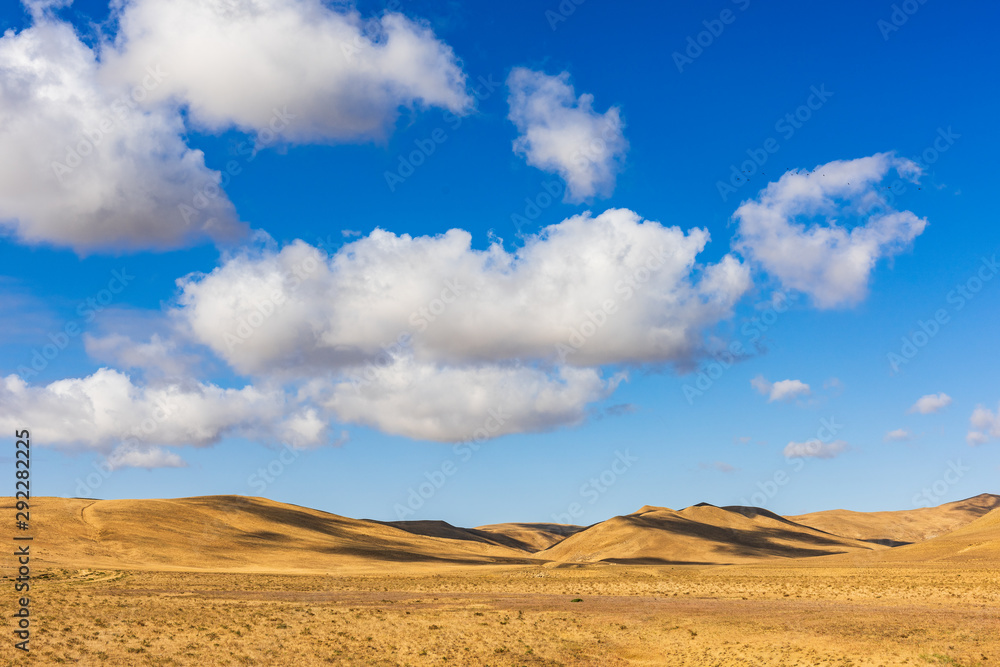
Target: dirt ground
(799, 614)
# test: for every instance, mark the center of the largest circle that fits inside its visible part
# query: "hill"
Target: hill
(528, 537)
(240, 534)
(532, 537)
(977, 543)
(232, 533)
(904, 526)
(698, 534)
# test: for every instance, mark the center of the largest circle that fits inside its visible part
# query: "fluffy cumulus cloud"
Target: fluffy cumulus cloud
(342, 77)
(984, 425)
(588, 291)
(460, 403)
(931, 403)
(108, 413)
(816, 449)
(562, 133)
(797, 229)
(450, 332)
(783, 390)
(83, 164)
(92, 149)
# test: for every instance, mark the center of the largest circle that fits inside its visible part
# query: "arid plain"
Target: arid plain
(229, 580)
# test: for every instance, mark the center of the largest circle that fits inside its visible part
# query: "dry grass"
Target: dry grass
(905, 526)
(192, 582)
(795, 613)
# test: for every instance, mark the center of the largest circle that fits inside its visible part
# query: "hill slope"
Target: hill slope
(530, 536)
(698, 534)
(901, 527)
(977, 543)
(239, 534)
(231, 533)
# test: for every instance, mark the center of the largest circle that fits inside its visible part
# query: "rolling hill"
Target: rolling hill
(240, 534)
(232, 533)
(901, 527)
(529, 537)
(976, 543)
(698, 534)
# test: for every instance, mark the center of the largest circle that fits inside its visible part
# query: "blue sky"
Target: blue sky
(879, 209)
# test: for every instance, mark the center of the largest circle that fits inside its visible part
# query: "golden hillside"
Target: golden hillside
(528, 537)
(239, 534)
(232, 533)
(901, 527)
(976, 543)
(698, 534)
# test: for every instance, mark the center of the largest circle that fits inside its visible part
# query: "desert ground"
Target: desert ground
(253, 582)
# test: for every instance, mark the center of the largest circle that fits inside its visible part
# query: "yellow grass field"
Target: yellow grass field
(789, 614)
(302, 599)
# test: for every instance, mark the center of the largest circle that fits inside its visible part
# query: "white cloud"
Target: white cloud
(828, 259)
(563, 134)
(587, 291)
(984, 425)
(82, 165)
(450, 332)
(783, 390)
(897, 435)
(40, 8)
(931, 403)
(160, 355)
(457, 403)
(342, 77)
(138, 456)
(761, 384)
(106, 410)
(816, 449)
